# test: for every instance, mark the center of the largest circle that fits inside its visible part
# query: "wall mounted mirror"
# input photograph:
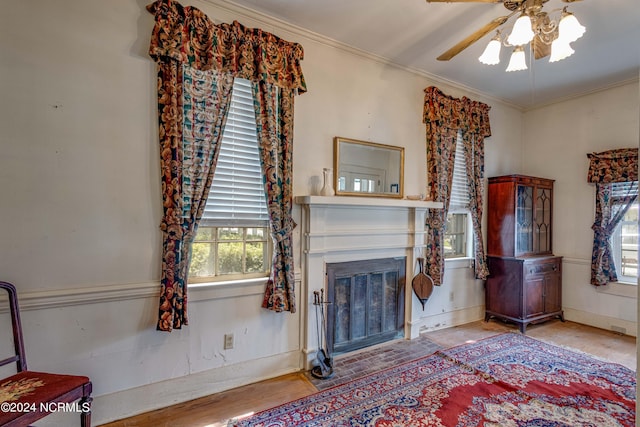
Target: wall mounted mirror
(364, 168)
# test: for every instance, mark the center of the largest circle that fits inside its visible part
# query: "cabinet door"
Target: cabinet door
(524, 220)
(503, 293)
(552, 293)
(534, 295)
(542, 221)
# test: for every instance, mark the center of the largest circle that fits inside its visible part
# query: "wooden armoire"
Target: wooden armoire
(525, 278)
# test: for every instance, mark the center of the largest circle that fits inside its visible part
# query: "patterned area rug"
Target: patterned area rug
(508, 380)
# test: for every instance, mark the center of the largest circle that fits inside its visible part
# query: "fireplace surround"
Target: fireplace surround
(339, 229)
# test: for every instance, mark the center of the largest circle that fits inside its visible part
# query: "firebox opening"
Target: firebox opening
(368, 299)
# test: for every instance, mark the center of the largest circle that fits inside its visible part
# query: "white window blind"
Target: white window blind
(621, 190)
(236, 197)
(459, 192)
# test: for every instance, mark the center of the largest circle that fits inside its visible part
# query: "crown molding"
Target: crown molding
(298, 31)
(283, 26)
(603, 88)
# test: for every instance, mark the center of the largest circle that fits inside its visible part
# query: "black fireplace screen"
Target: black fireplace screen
(367, 303)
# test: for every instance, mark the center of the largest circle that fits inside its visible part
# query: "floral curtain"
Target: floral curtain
(189, 151)
(444, 116)
(606, 169)
(197, 61)
(274, 118)
(473, 137)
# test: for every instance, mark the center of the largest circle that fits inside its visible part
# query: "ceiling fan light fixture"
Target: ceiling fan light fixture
(522, 32)
(560, 49)
(491, 54)
(569, 29)
(517, 61)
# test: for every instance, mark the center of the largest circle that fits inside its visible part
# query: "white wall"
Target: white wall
(557, 139)
(79, 184)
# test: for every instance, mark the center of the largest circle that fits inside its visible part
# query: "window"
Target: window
(624, 241)
(457, 239)
(233, 237)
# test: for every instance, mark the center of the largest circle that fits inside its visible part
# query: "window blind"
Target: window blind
(459, 193)
(237, 197)
(621, 190)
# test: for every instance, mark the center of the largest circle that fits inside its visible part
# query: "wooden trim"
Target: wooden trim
(58, 298)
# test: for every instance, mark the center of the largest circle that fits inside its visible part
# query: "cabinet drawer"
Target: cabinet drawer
(541, 267)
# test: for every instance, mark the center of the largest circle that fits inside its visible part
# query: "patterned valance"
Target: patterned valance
(186, 35)
(620, 165)
(442, 110)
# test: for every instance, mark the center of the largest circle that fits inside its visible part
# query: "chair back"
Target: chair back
(19, 357)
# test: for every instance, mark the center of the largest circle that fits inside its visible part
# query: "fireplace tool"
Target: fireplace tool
(422, 284)
(324, 369)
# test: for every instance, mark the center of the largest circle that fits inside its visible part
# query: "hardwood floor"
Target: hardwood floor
(215, 410)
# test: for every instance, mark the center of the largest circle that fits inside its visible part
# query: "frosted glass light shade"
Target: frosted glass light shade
(560, 49)
(569, 29)
(517, 61)
(522, 32)
(491, 54)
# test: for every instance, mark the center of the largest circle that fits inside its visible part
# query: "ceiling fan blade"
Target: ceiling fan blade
(471, 39)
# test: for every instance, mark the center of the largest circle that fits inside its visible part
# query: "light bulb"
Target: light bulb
(569, 29)
(491, 54)
(522, 32)
(517, 61)
(560, 49)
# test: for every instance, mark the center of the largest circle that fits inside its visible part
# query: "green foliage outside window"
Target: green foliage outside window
(228, 251)
(455, 236)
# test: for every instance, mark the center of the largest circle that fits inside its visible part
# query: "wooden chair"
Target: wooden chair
(28, 396)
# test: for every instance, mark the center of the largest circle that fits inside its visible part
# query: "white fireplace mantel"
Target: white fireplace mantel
(366, 201)
(341, 229)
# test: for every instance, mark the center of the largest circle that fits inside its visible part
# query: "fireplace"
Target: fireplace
(367, 303)
(363, 234)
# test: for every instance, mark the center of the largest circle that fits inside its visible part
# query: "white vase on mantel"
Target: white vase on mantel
(327, 187)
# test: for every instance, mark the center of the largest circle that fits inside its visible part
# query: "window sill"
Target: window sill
(622, 289)
(454, 263)
(234, 282)
(226, 289)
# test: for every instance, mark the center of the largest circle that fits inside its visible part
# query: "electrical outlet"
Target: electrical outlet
(228, 341)
(451, 296)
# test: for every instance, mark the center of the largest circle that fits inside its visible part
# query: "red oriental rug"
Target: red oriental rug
(508, 380)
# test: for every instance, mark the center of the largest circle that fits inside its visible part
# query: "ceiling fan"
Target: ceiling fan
(544, 28)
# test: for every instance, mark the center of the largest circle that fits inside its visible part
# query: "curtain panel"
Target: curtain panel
(189, 150)
(605, 169)
(190, 51)
(444, 116)
(276, 133)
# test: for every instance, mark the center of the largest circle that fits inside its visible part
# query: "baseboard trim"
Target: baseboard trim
(603, 322)
(131, 402)
(448, 319)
